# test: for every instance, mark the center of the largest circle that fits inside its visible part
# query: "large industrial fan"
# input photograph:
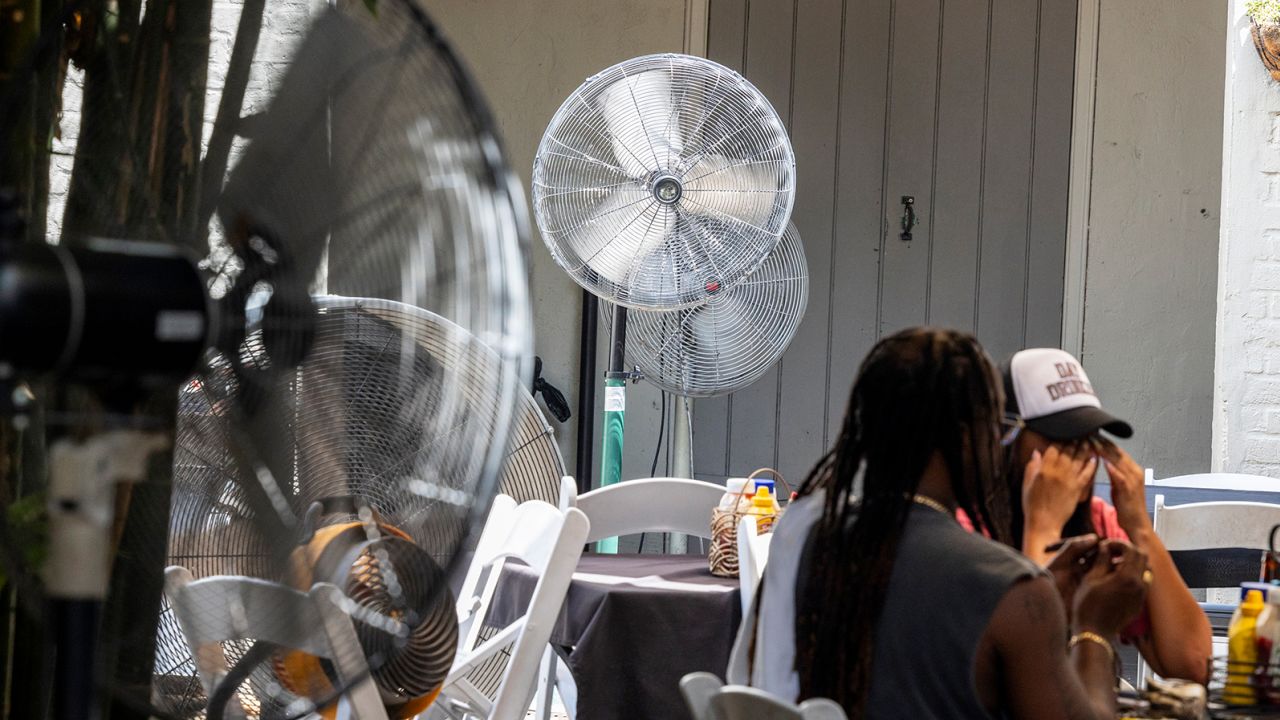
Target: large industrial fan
(359, 334)
(731, 340)
(661, 183)
(357, 420)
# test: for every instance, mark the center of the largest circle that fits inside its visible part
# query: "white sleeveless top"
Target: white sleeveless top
(774, 669)
(945, 584)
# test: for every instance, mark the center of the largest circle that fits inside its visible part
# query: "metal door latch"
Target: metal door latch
(908, 217)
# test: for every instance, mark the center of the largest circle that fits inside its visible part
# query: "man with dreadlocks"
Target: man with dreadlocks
(883, 603)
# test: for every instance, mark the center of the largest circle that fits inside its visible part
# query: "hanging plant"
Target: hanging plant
(1265, 17)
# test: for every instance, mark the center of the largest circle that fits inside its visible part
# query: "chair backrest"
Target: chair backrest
(675, 505)
(753, 554)
(698, 688)
(527, 532)
(1216, 544)
(224, 608)
(710, 699)
(568, 492)
(473, 594)
(1217, 481)
(1215, 525)
(736, 702)
(549, 541)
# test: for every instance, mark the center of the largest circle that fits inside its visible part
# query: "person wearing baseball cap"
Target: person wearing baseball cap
(1056, 437)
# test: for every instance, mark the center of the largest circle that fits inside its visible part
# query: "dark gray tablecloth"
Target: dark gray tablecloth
(632, 626)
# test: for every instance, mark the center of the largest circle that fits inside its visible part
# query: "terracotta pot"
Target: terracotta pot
(1266, 38)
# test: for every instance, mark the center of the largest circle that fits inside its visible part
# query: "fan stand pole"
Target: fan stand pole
(682, 458)
(615, 410)
(82, 494)
(587, 390)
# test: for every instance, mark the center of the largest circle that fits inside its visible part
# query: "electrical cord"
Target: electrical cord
(662, 426)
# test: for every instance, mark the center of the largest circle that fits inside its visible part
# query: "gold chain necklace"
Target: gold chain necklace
(931, 504)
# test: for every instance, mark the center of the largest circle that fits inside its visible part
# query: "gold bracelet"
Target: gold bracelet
(1094, 638)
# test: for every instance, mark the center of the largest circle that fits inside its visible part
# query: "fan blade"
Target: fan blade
(743, 192)
(730, 340)
(626, 227)
(637, 111)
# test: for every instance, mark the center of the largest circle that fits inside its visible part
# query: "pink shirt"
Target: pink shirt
(1107, 524)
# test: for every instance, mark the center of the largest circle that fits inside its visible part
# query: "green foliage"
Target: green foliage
(373, 7)
(29, 526)
(1263, 11)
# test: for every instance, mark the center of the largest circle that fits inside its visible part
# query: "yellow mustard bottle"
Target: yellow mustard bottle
(1242, 651)
(762, 508)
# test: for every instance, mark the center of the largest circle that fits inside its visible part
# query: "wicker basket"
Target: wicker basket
(722, 558)
(1266, 39)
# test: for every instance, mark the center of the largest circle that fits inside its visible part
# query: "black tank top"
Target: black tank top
(945, 585)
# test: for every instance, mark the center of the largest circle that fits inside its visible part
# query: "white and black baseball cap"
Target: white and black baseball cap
(1050, 391)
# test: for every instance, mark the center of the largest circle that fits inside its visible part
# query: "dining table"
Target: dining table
(631, 626)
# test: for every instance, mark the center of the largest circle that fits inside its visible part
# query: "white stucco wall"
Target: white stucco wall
(1246, 421)
(1153, 225)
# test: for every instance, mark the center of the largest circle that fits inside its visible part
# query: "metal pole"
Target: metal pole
(681, 458)
(585, 468)
(615, 409)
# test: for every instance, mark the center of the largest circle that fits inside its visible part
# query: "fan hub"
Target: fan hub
(667, 189)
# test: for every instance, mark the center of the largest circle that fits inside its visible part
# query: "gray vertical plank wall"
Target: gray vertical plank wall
(1006, 175)
(769, 54)
(859, 213)
(711, 445)
(956, 215)
(963, 104)
(913, 87)
(1045, 258)
(814, 120)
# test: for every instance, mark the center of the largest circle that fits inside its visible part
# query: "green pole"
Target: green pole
(615, 410)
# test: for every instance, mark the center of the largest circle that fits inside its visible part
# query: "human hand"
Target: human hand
(1128, 494)
(1074, 559)
(1113, 591)
(1051, 488)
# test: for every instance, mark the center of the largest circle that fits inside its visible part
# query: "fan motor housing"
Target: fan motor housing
(107, 311)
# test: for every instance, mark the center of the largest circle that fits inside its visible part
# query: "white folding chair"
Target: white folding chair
(554, 675)
(1211, 526)
(753, 554)
(568, 492)
(549, 541)
(1216, 481)
(710, 699)
(225, 608)
(1214, 525)
(676, 505)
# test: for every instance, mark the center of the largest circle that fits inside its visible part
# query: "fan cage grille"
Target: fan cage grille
(731, 341)
(605, 170)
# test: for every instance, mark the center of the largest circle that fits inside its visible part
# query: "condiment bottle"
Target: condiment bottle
(1242, 651)
(736, 495)
(772, 487)
(1269, 648)
(762, 507)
